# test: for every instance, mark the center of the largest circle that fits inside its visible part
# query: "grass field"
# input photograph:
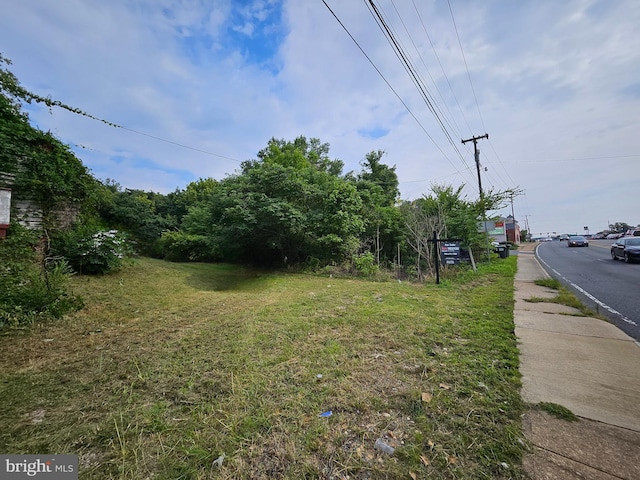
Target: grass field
(171, 366)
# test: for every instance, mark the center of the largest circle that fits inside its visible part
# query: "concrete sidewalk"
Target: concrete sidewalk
(586, 365)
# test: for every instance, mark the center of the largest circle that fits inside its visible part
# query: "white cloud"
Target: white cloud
(553, 81)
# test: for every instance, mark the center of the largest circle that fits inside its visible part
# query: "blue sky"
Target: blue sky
(554, 84)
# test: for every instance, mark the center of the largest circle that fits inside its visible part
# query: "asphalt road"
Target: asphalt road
(612, 288)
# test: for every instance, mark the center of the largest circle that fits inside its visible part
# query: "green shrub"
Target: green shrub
(365, 264)
(45, 291)
(185, 247)
(31, 289)
(92, 252)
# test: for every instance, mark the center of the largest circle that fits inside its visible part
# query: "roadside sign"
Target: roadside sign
(450, 253)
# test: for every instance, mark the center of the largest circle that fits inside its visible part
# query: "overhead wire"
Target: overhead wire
(578, 159)
(444, 73)
(466, 66)
(435, 85)
(171, 142)
(390, 86)
(513, 183)
(388, 31)
(464, 58)
(179, 144)
(435, 53)
(413, 74)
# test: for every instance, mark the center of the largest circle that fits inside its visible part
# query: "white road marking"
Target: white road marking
(588, 295)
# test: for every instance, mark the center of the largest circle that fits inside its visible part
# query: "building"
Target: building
(28, 212)
(513, 229)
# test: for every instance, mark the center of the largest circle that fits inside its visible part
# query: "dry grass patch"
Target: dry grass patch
(171, 366)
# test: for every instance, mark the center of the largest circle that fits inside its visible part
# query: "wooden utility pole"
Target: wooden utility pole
(526, 222)
(514, 193)
(476, 154)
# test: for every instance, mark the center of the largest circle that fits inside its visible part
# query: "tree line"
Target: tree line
(291, 206)
(294, 206)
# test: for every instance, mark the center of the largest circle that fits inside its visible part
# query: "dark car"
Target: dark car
(627, 248)
(577, 241)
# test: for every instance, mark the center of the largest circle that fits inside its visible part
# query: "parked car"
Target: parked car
(613, 236)
(626, 248)
(633, 232)
(577, 241)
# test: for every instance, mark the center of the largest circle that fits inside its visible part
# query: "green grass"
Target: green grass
(553, 283)
(169, 366)
(558, 411)
(564, 297)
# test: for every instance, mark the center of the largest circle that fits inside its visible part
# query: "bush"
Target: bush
(365, 264)
(45, 291)
(185, 247)
(91, 252)
(31, 289)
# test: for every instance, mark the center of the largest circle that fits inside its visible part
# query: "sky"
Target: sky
(202, 85)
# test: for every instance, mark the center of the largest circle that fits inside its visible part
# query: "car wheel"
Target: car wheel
(626, 258)
(613, 255)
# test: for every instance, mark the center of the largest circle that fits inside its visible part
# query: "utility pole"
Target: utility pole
(514, 193)
(476, 153)
(526, 222)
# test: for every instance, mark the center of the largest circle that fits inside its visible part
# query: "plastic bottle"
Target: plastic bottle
(384, 447)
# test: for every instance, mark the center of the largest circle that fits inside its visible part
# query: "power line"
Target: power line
(390, 86)
(411, 71)
(441, 67)
(503, 168)
(179, 144)
(465, 65)
(577, 159)
(11, 86)
(171, 142)
(455, 26)
(435, 102)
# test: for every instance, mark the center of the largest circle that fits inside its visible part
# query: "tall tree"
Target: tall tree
(288, 206)
(378, 187)
(377, 173)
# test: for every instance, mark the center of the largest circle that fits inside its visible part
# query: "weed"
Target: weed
(558, 411)
(564, 297)
(553, 283)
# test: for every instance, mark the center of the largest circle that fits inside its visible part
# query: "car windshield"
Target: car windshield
(633, 241)
(577, 238)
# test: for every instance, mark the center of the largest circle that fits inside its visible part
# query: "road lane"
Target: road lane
(610, 287)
